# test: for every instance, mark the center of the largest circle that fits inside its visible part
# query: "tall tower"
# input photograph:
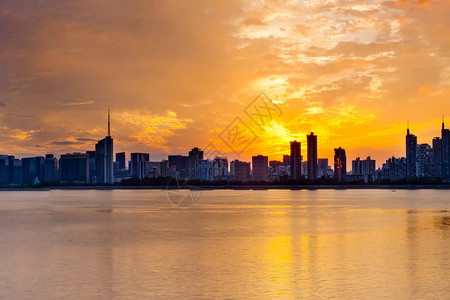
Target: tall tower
(445, 139)
(411, 154)
(296, 160)
(312, 156)
(340, 165)
(104, 156)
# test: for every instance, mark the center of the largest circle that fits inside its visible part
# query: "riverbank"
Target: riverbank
(236, 187)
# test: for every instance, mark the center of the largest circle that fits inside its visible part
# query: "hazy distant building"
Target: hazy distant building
(104, 158)
(394, 169)
(411, 154)
(364, 168)
(138, 164)
(4, 169)
(195, 156)
(74, 167)
(296, 161)
(32, 170)
(322, 167)
(445, 153)
(205, 170)
(312, 156)
(424, 160)
(220, 168)
(50, 168)
(179, 165)
(260, 168)
(92, 167)
(240, 170)
(340, 164)
(437, 157)
(121, 159)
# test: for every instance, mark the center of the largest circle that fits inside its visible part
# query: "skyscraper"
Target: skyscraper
(445, 153)
(240, 170)
(411, 154)
(195, 156)
(437, 157)
(120, 158)
(296, 160)
(260, 168)
(340, 164)
(74, 167)
(424, 160)
(138, 164)
(312, 156)
(104, 157)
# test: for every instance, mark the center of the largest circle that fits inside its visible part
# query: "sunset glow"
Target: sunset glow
(176, 73)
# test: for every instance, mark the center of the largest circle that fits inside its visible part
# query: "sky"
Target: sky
(184, 74)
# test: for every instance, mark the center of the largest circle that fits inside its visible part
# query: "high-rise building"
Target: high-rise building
(104, 158)
(437, 157)
(4, 169)
(394, 169)
(121, 159)
(179, 165)
(411, 154)
(445, 153)
(240, 170)
(424, 160)
(312, 156)
(205, 170)
(322, 167)
(296, 160)
(32, 170)
(138, 164)
(50, 168)
(220, 168)
(340, 164)
(74, 167)
(260, 168)
(365, 168)
(195, 156)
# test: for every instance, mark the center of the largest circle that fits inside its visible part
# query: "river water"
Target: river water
(230, 244)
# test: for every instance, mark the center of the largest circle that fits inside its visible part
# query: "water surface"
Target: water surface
(286, 244)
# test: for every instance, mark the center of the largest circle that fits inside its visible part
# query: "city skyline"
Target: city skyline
(303, 149)
(176, 73)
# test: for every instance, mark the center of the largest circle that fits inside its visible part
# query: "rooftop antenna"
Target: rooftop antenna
(442, 121)
(407, 130)
(109, 123)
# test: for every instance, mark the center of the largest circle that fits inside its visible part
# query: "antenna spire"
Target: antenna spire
(442, 121)
(407, 130)
(109, 123)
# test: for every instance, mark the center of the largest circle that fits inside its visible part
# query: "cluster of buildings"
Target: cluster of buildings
(99, 166)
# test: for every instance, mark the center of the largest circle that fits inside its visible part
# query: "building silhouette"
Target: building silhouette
(50, 168)
(424, 160)
(260, 168)
(445, 138)
(240, 171)
(121, 159)
(312, 156)
(394, 169)
(340, 165)
(74, 168)
(364, 168)
(138, 164)
(195, 156)
(437, 157)
(296, 160)
(104, 158)
(220, 168)
(179, 165)
(411, 154)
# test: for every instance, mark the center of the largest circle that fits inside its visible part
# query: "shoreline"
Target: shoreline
(238, 187)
